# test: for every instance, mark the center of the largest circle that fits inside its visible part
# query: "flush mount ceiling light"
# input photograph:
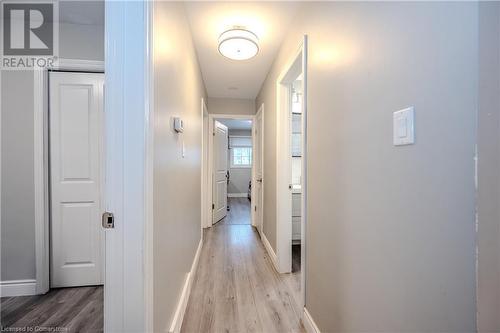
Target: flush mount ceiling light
(238, 44)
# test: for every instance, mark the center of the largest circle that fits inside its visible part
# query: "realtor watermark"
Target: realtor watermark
(30, 34)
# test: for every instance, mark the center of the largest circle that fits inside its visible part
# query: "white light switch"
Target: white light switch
(404, 127)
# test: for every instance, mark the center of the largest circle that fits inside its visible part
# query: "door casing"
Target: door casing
(258, 218)
(41, 162)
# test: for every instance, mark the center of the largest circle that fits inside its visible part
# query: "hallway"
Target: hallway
(236, 288)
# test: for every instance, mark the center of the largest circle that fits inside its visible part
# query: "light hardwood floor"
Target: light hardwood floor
(60, 310)
(236, 288)
(239, 211)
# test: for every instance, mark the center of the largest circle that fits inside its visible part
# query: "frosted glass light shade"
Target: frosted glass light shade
(238, 44)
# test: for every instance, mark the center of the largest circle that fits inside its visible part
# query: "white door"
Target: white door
(258, 165)
(220, 171)
(75, 126)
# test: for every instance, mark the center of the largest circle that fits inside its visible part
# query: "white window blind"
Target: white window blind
(240, 141)
(240, 151)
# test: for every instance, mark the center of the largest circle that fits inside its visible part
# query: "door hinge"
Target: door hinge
(213, 206)
(213, 133)
(255, 208)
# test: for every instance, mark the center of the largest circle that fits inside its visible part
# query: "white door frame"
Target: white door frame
(41, 162)
(258, 224)
(296, 65)
(211, 118)
(206, 209)
(128, 109)
(129, 91)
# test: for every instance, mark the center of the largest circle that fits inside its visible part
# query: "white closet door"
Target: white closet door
(76, 158)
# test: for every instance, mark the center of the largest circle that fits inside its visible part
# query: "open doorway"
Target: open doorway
(69, 192)
(231, 164)
(291, 182)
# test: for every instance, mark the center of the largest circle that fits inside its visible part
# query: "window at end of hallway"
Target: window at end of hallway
(240, 152)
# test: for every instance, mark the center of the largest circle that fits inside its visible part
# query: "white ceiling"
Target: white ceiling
(237, 124)
(229, 78)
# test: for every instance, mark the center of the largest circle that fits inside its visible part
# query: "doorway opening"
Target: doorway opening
(231, 162)
(69, 196)
(291, 180)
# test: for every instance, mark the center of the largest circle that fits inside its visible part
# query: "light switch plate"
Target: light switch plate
(404, 127)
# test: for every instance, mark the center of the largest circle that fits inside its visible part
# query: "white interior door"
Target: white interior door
(220, 146)
(258, 165)
(76, 113)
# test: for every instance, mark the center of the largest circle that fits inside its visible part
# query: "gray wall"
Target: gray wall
(390, 230)
(177, 213)
(18, 231)
(238, 182)
(17, 189)
(231, 106)
(489, 168)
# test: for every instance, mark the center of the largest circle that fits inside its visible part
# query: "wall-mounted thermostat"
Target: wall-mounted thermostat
(178, 125)
(404, 127)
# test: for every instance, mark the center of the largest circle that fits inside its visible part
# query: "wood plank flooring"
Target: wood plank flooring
(236, 288)
(239, 212)
(65, 310)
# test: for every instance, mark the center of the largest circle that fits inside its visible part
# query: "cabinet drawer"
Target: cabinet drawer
(296, 204)
(296, 235)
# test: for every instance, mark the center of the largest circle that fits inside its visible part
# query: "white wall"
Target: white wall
(177, 180)
(231, 106)
(390, 230)
(17, 224)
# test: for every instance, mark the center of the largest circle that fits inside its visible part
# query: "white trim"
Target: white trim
(303, 215)
(237, 195)
(127, 292)
(79, 64)
(41, 179)
(175, 326)
(283, 153)
(149, 171)
(206, 210)
(258, 224)
(211, 118)
(40, 159)
(309, 323)
(13, 288)
(269, 250)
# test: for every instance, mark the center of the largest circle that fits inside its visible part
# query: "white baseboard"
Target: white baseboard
(176, 324)
(309, 323)
(270, 251)
(12, 288)
(237, 195)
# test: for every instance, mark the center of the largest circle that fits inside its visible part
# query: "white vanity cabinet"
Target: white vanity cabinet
(296, 214)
